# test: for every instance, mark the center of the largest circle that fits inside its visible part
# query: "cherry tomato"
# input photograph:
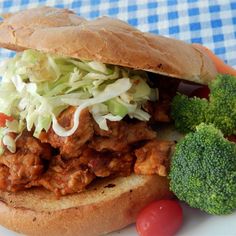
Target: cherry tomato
(220, 65)
(4, 118)
(160, 218)
(232, 138)
(202, 92)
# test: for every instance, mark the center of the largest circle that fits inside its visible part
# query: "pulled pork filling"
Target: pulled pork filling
(67, 122)
(87, 120)
(66, 165)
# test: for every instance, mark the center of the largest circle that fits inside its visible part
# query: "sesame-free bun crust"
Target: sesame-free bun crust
(106, 206)
(62, 32)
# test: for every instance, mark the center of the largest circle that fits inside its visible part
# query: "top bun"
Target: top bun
(107, 40)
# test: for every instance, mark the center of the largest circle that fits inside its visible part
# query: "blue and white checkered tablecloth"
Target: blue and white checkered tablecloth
(209, 22)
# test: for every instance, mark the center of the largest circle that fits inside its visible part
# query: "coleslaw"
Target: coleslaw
(36, 87)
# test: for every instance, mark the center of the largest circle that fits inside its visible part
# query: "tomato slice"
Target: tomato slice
(162, 218)
(202, 92)
(220, 65)
(232, 138)
(4, 118)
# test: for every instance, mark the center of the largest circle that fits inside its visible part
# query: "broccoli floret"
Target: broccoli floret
(222, 109)
(203, 171)
(188, 112)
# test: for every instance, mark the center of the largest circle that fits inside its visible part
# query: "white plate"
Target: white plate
(196, 223)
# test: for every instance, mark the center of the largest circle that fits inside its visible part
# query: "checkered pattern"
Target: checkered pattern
(210, 22)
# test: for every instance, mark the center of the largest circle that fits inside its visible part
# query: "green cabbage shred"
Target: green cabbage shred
(36, 87)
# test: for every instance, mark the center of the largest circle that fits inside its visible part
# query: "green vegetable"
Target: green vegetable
(188, 112)
(203, 171)
(220, 110)
(116, 108)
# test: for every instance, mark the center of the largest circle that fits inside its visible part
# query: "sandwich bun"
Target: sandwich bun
(108, 204)
(111, 41)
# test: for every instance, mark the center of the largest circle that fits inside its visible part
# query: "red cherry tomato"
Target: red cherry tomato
(202, 92)
(160, 218)
(4, 118)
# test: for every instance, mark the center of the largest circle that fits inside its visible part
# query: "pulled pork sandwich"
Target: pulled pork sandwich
(79, 102)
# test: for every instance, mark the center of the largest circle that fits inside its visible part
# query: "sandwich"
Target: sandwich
(85, 107)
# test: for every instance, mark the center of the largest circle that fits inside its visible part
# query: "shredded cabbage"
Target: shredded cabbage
(36, 87)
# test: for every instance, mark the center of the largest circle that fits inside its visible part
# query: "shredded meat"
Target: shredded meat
(70, 147)
(20, 168)
(106, 164)
(66, 176)
(28, 144)
(160, 110)
(73, 175)
(153, 158)
(5, 181)
(66, 165)
(120, 136)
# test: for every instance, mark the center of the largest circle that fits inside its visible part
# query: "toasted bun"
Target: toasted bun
(107, 206)
(108, 40)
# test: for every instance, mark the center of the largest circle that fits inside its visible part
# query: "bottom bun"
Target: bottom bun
(108, 205)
